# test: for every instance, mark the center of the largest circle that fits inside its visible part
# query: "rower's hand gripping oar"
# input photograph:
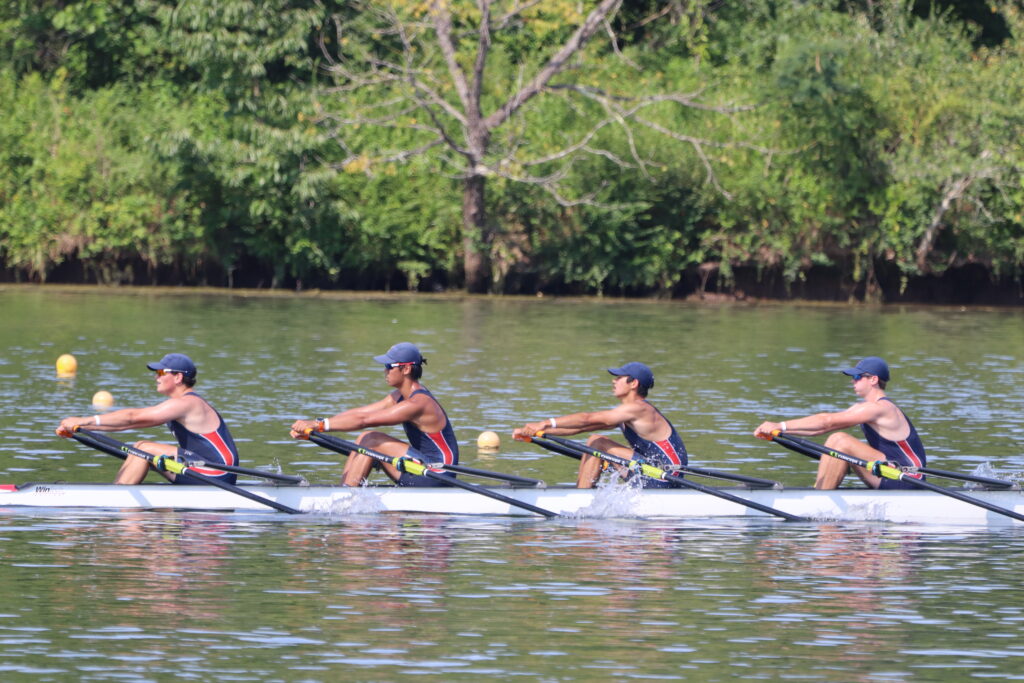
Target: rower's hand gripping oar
(413, 466)
(577, 450)
(275, 476)
(123, 450)
(879, 469)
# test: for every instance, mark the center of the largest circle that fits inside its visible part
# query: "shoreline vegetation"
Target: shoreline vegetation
(458, 295)
(750, 150)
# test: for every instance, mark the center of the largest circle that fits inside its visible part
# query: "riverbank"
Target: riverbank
(968, 286)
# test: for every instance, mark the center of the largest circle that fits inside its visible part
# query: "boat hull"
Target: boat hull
(924, 507)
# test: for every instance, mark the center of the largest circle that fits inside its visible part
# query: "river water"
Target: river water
(106, 596)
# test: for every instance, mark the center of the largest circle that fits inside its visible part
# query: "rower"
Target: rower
(890, 435)
(427, 427)
(201, 432)
(649, 434)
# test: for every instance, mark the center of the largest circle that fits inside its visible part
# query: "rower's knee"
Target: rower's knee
(370, 439)
(838, 440)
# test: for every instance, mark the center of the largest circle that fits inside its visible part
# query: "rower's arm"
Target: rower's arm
(575, 423)
(343, 421)
(380, 414)
(131, 418)
(822, 423)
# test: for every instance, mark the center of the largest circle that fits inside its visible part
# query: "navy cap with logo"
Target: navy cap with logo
(175, 362)
(402, 352)
(637, 371)
(872, 365)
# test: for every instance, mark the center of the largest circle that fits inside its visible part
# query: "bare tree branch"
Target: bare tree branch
(554, 65)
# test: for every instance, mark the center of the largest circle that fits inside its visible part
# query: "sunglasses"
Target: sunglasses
(857, 378)
(161, 372)
(389, 366)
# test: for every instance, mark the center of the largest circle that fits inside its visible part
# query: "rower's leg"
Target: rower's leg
(590, 466)
(358, 467)
(831, 471)
(135, 469)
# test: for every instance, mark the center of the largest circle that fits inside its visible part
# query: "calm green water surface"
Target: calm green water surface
(167, 596)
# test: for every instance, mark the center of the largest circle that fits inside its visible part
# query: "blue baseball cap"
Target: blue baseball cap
(402, 352)
(175, 362)
(637, 371)
(872, 365)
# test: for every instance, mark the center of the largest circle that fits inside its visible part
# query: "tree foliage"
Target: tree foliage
(349, 143)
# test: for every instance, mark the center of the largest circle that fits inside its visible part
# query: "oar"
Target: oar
(880, 469)
(995, 483)
(500, 476)
(123, 450)
(413, 466)
(289, 478)
(560, 445)
(752, 482)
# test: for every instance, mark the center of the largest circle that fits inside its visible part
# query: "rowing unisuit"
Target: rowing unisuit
(662, 454)
(435, 447)
(213, 447)
(908, 452)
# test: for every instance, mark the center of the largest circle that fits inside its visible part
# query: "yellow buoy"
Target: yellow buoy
(67, 366)
(488, 441)
(102, 399)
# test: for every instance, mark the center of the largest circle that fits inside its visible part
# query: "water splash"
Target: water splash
(348, 501)
(612, 498)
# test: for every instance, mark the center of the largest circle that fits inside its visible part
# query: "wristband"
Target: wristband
(783, 425)
(96, 419)
(327, 424)
(554, 425)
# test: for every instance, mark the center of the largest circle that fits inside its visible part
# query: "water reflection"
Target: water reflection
(404, 596)
(157, 596)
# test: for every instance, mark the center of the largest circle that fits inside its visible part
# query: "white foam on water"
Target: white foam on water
(612, 498)
(348, 501)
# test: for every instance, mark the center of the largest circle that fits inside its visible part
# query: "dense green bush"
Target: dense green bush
(158, 141)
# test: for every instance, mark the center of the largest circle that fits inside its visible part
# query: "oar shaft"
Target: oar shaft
(545, 442)
(962, 497)
(821, 450)
(753, 482)
(89, 439)
(472, 471)
(680, 481)
(290, 478)
(995, 483)
(451, 481)
(347, 447)
(807, 447)
(656, 473)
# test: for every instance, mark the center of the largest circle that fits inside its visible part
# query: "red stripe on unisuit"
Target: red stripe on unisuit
(668, 449)
(442, 445)
(221, 447)
(911, 455)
